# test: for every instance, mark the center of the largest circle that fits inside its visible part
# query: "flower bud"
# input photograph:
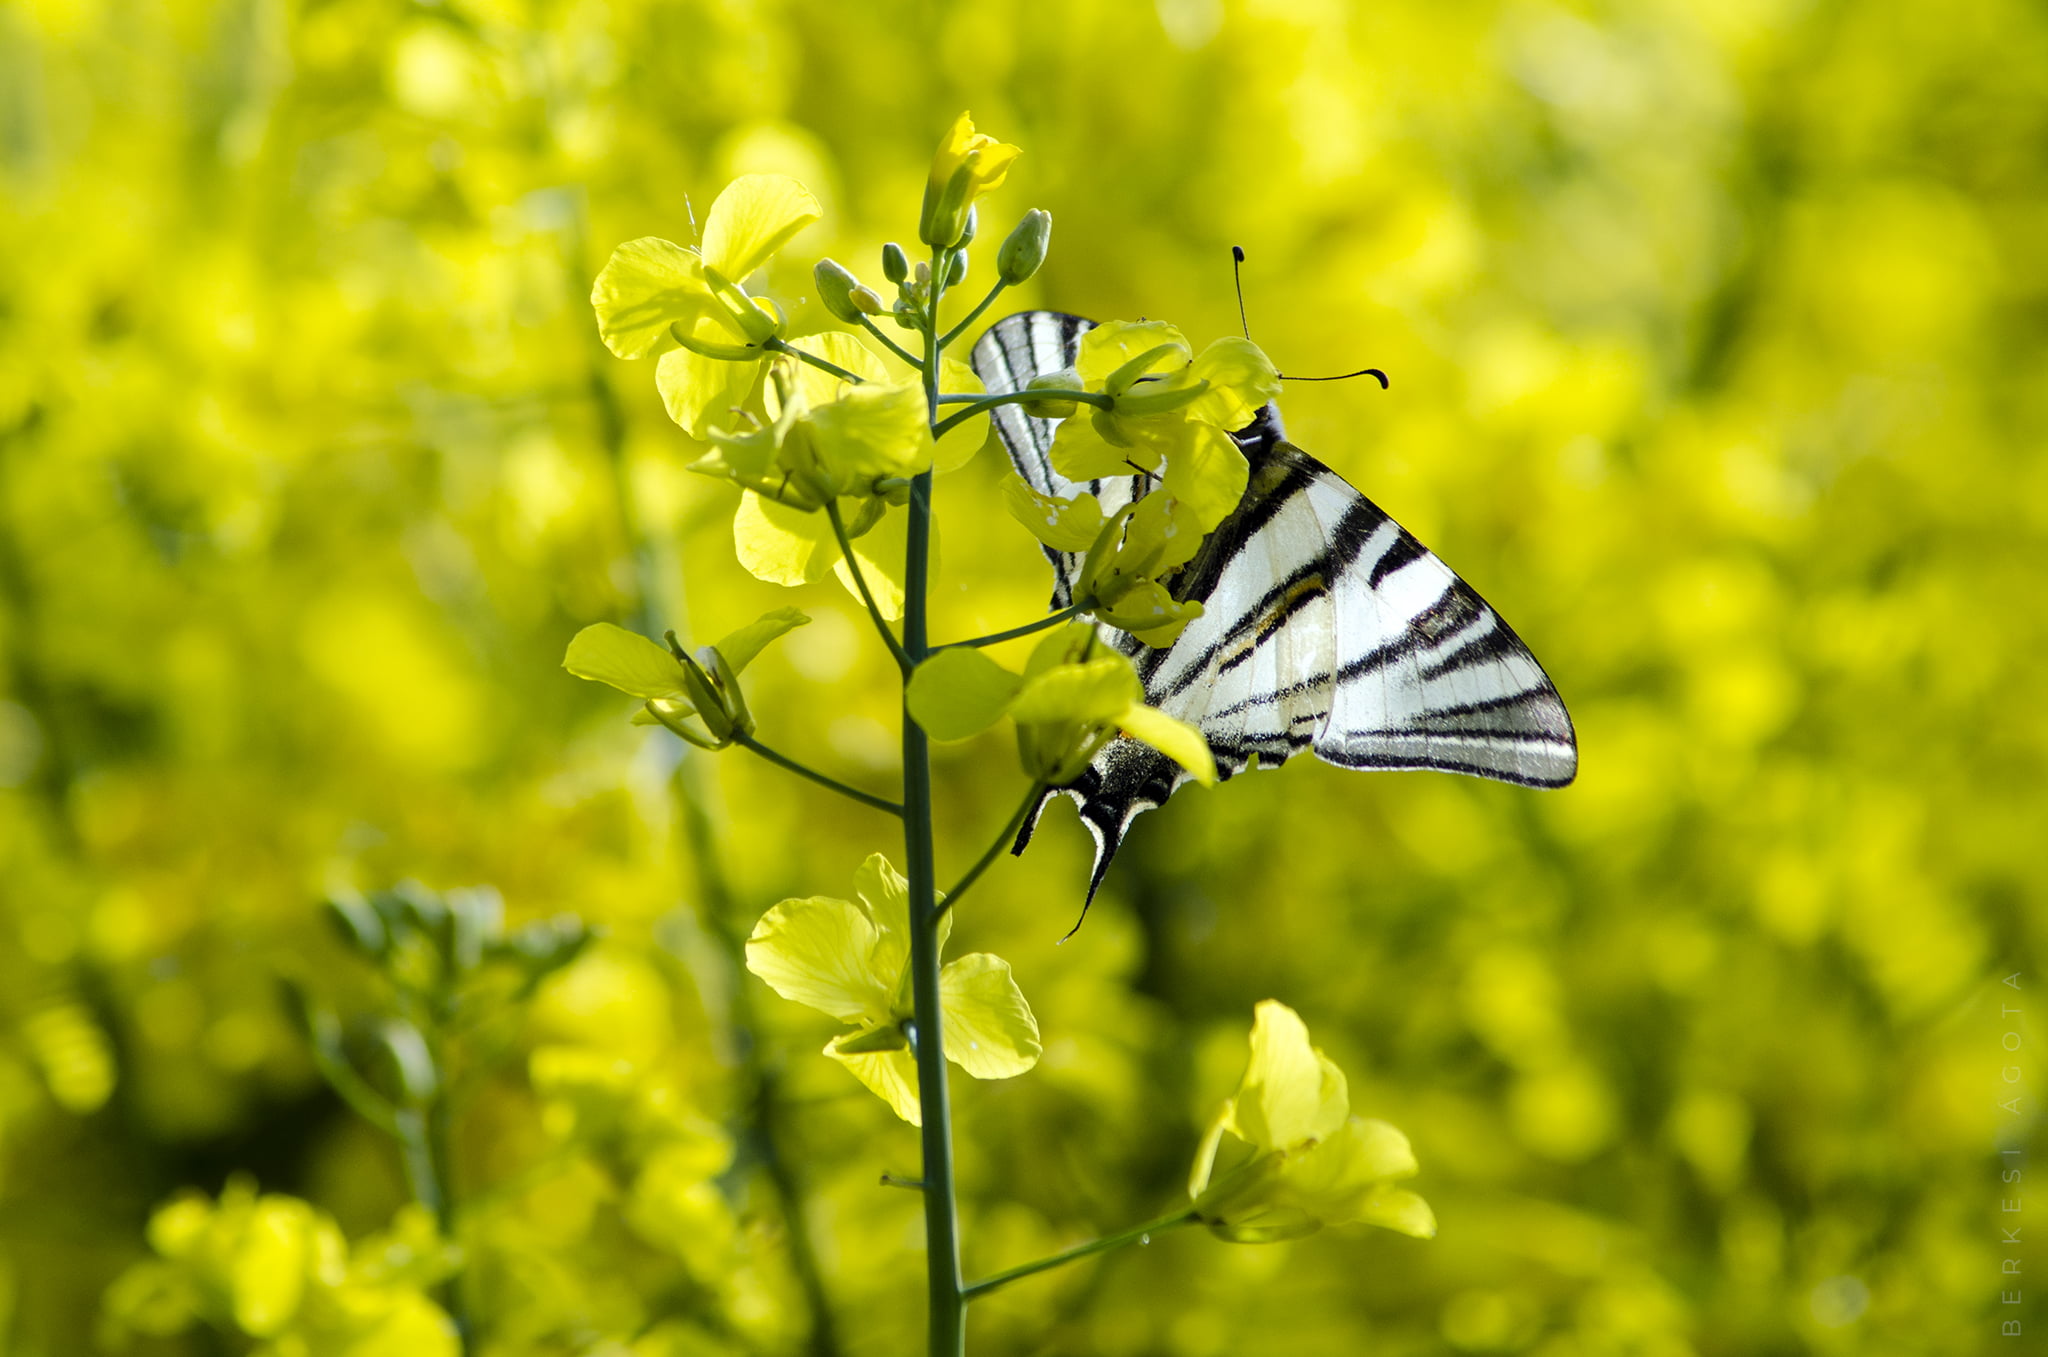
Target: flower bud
(835, 289)
(1064, 380)
(1025, 249)
(869, 301)
(895, 263)
(956, 270)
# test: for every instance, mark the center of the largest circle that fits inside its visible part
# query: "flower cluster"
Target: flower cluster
(1074, 696)
(851, 959)
(277, 1271)
(1296, 1159)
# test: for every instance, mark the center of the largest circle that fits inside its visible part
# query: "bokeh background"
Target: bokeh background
(1719, 344)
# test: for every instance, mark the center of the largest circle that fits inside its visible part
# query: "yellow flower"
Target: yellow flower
(851, 959)
(1170, 406)
(1074, 696)
(696, 696)
(686, 303)
(967, 165)
(1299, 1160)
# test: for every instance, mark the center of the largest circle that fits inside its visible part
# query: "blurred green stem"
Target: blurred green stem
(760, 1091)
(1137, 1234)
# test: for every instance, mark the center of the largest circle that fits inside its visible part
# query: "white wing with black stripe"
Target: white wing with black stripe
(1326, 626)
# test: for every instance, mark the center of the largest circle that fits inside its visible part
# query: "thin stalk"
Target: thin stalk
(860, 580)
(948, 1306)
(891, 345)
(1049, 620)
(834, 784)
(972, 316)
(987, 403)
(825, 365)
(1137, 1234)
(1002, 840)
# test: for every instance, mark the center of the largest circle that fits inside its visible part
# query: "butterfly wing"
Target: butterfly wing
(1326, 625)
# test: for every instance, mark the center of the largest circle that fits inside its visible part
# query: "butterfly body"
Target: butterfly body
(1326, 626)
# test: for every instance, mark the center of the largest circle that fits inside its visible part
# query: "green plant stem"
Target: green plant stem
(947, 1315)
(987, 403)
(834, 784)
(1050, 620)
(1002, 840)
(860, 580)
(891, 345)
(1135, 1235)
(972, 316)
(825, 365)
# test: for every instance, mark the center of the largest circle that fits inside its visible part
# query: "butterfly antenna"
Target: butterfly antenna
(1237, 279)
(1342, 377)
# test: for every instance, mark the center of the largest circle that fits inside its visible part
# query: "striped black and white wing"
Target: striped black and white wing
(1326, 626)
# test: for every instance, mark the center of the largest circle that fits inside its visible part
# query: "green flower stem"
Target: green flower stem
(780, 346)
(1002, 840)
(947, 1313)
(1050, 620)
(1138, 1234)
(784, 761)
(860, 580)
(972, 316)
(987, 403)
(891, 345)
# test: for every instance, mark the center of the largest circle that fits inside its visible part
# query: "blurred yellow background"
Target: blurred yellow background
(1719, 344)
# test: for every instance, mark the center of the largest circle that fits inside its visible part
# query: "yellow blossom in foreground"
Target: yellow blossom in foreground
(1297, 1159)
(686, 303)
(851, 959)
(967, 165)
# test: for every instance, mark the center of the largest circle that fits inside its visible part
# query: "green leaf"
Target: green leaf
(624, 660)
(960, 692)
(743, 645)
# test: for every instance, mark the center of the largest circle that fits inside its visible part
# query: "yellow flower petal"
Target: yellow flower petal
(1108, 347)
(1206, 472)
(990, 1031)
(1291, 1093)
(782, 545)
(958, 447)
(1241, 379)
(1094, 693)
(753, 217)
(960, 692)
(891, 1074)
(817, 952)
(647, 285)
(886, 894)
(1062, 524)
(840, 349)
(1174, 738)
(740, 647)
(624, 660)
(1397, 1209)
(872, 431)
(701, 393)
